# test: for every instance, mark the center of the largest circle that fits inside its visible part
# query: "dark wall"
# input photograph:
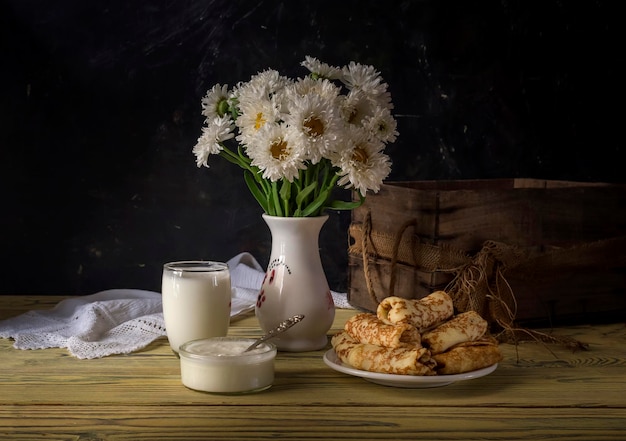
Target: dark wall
(101, 107)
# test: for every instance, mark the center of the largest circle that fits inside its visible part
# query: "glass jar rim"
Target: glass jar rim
(196, 266)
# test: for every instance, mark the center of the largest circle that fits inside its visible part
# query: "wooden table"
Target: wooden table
(536, 393)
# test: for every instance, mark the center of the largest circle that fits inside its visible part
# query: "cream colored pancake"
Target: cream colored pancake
(467, 326)
(423, 313)
(467, 357)
(373, 358)
(367, 328)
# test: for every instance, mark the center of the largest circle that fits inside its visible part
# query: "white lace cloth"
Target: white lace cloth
(120, 321)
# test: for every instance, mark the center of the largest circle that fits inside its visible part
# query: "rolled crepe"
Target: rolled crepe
(468, 356)
(467, 326)
(373, 358)
(367, 328)
(423, 313)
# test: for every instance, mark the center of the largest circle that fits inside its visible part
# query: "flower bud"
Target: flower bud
(222, 107)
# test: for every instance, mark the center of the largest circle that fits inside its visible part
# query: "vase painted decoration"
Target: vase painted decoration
(295, 283)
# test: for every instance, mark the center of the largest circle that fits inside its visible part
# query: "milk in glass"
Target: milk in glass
(196, 301)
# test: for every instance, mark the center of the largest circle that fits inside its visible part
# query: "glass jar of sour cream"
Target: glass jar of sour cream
(220, 365)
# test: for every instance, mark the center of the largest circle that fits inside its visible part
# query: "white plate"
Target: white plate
(407, 381)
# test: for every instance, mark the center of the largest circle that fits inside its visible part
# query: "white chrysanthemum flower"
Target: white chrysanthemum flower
(363, 77)
(262, 85)
(381, 125)
(247, 92)
(320, 69)
(363, 166)
(383, 100)
(356, 106)
(253, 115)
(212, 100)
(308, 86)
(276, 153)
(218, 130)
(271, 79)
(315, 122)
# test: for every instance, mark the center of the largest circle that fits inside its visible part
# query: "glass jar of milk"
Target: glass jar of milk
(196, 301)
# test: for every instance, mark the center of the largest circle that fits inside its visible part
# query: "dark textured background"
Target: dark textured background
(101, 107)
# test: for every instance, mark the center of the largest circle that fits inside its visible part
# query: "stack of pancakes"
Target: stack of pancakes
(417, 337)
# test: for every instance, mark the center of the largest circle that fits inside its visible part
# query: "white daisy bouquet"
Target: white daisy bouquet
(298, 140)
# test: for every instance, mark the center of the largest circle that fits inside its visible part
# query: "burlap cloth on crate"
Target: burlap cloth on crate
(479, 281)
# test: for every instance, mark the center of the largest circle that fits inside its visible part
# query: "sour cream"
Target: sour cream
(219, 365)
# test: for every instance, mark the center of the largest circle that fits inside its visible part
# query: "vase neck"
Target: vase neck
(287, 231)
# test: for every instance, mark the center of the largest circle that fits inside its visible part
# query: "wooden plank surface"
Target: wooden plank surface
(536, 392)
(316, 423)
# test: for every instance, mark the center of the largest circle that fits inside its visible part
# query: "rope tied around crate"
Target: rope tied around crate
(372, 245)
(491, 286)
(479, 282)
(396, 246)
(469, 288)
(365, 251)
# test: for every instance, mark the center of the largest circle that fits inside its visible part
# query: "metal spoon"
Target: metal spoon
(282, 327)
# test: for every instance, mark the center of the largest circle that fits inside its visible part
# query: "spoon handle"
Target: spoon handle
(282, 327)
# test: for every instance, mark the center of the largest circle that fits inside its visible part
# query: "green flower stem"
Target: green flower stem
(308, 195)
(262, 192)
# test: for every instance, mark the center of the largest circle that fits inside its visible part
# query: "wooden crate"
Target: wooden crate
(569, 239)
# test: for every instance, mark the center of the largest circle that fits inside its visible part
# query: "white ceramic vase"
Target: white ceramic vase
(295, 283)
